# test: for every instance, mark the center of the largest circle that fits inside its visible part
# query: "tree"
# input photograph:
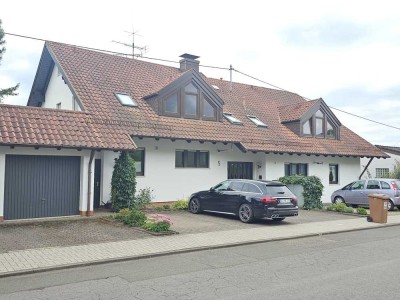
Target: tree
(123, 182)
(12, 90)
(396, 170)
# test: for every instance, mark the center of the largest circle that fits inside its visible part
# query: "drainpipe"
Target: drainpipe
(365, 169)
(88, 212)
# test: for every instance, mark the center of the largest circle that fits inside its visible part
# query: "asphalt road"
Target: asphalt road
(355, 265)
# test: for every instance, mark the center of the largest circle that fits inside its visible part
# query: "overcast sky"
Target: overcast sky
(346, 52)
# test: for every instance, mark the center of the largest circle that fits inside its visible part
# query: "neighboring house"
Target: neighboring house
(188, 131)
(380, 168)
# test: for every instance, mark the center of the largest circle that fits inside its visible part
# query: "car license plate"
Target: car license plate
(283, 201)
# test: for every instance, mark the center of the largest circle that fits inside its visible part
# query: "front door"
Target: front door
(240, 170)
(97, 181)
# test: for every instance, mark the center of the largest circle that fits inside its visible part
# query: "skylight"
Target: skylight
(125, 99)
(256, 121)
(215, 87)
(232, 119)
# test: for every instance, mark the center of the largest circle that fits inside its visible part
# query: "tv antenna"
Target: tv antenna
(142, 50)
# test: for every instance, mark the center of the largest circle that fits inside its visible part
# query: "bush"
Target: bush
(312, 187)
(143, 198)
(158, 223)
(181, 204)
(123, 182)
(122, 214)
(396, 171)
(135, 218)
(349, 210)
(166, 207)
(340, 207)
(362, 211)
(330, 207)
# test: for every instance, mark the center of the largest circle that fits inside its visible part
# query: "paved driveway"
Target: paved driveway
(39, 234)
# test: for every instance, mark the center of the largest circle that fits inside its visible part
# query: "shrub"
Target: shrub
(340, 207)
(122, 214)
(158, 223)
(312, 189)
(135, 218)
(330, 207)
(123, 182)
(349, 210)
(166, 207)
(181, 204)
(396, 170)
(362, 211)
(143, 198)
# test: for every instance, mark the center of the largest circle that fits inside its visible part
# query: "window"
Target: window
(358, 185)
(190, 102)
(191, 159)
(296, 169)
(385, 185)
(307, 127)
(320, 125)
(171, 104)
(125, 99)
(382, 172)
(209, 111)
(252, 188)
(138, 156)
(236, 186)
(373, 185)
(232, 119)
(333, 173)
(58, 105)
(256, 121)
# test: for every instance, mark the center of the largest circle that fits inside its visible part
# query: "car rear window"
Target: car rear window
(397, 182)
(278, 191)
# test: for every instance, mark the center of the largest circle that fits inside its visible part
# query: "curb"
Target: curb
(195, 249)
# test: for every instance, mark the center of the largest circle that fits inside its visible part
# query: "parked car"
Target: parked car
(247, 199)
(356, 193)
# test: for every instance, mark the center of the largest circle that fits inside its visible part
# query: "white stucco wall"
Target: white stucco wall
(85, 155)
(170, 183)
(59, 92)
(378, 163)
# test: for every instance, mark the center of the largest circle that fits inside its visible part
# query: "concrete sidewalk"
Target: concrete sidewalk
(43, 259)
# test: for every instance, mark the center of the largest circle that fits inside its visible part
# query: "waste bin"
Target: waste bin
(378, 208)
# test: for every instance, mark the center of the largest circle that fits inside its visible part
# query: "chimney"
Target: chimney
(188, 62)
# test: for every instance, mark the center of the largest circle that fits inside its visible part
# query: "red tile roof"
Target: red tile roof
(293, 112)
(96, 76)
(41, 127)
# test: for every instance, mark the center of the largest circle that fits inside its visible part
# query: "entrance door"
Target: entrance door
(97, 181)
(240, 170)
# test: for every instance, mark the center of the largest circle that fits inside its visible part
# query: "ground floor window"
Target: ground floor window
(192, 159)
(382, 172)
(138, 156)
(333, 173)
(296, 169)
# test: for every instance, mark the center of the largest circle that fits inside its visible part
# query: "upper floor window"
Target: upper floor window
(125, 99)
(189, 101)
(232, 119)
(256, 121)
(319, 125)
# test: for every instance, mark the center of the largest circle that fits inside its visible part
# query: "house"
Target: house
(380, 168)
(188, 132)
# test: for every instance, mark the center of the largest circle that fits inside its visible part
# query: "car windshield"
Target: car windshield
(278, 191)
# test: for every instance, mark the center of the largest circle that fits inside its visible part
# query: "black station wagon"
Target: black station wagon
(247, 199)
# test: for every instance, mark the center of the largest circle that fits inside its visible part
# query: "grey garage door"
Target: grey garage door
(41, 186)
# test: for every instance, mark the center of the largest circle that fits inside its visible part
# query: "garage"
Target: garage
(38, 186)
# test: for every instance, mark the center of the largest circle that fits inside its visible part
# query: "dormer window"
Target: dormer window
(232, 119)
(171, 106)
(256, 121)
(320, 126)
(125, 99)
(191, 101)
(209, 110)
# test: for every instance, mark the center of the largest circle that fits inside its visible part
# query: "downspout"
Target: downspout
(365, 169)
(88, 212)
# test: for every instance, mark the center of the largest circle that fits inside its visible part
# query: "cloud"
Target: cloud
(327, 32)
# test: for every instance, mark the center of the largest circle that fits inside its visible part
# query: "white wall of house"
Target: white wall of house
(170, 183)
(84, 154)
(376, 163)
(59, 92)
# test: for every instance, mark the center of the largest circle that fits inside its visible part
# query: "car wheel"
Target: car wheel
(278, 219)
(338, 200)
(246, 214)
(390, 205)
(194, 206)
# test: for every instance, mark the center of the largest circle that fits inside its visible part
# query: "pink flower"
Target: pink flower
(158, 218)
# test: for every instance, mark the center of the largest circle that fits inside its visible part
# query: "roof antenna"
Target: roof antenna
(142, 50)
(230, 72)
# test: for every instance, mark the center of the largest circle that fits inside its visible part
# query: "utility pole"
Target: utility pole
(142, 50)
